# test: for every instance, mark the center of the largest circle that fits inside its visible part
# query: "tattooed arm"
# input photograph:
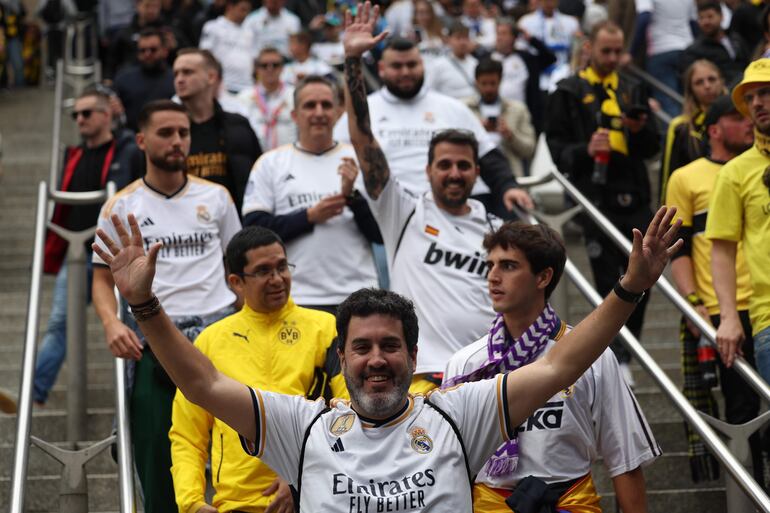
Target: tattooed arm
(358, 39)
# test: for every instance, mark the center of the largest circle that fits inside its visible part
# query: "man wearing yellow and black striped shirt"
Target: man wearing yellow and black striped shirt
(729, 133)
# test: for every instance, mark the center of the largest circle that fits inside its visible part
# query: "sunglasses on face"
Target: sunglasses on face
(269, 65)
(86, 113)
(151, 49)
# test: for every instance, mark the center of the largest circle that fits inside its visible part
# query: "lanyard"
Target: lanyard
(271, 118)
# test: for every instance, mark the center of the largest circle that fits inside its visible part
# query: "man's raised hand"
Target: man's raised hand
(359, 30)
(651, 252)
(132, 269)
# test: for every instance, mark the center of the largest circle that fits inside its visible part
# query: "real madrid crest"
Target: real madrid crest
(289, 334)
(342, 425)
(429, 117)
(421, 442)
(203, 214)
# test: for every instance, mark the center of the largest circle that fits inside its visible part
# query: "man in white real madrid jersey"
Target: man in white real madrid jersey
(385, 449)
(432, 241)
(193, 219)
(404, 115)
(305, 193)
(597, 416)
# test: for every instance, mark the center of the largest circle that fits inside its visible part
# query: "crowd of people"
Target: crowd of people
(298, 226)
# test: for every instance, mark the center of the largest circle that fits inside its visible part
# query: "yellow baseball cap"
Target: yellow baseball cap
(757, 72)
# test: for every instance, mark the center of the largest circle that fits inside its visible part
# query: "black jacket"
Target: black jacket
(704, 48)
(242, 149)
(571, 119)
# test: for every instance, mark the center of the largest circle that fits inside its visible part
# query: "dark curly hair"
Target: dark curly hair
(371, 301)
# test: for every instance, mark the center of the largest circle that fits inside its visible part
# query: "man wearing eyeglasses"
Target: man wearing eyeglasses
(271, 344)
(149, 79)
(739, 211)
(193, 219)
(306, 193)
(99, 159)
(270, 102)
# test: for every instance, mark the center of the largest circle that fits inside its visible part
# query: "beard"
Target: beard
(405, 93)
(380, 404)
(454, 201)
(168, 165)
(737, 147)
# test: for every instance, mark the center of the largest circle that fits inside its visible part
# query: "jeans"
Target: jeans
(762, 353)
(665, 67)
(51, 355)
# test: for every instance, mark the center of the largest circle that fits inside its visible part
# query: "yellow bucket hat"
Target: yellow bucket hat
(756, 72)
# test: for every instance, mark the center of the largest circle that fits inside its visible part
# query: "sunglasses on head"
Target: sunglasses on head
(86, 113)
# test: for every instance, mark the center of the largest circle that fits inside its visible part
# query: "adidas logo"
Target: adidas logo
(382, 119)
(289, 177)
(147, 222)
(338, 447)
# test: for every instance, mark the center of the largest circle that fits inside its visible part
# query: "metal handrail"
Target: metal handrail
(53, 171)
(746, 371)
(21, 449)
(741, 477)
(654, 82)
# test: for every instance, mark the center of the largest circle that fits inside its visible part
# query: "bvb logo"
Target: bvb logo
(289, 334)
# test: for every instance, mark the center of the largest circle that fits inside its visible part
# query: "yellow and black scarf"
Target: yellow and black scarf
(609, 107)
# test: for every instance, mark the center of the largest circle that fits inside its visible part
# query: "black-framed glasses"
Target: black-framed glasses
(266, 271)
(86, 113)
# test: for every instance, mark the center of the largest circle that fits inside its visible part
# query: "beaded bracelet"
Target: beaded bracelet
(146, 310)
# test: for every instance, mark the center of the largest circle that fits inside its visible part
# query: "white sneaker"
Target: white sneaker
(625, 372)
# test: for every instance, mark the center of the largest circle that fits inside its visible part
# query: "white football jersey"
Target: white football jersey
(421, 459)
(596, 417)
(334, 259)
(194, 225)
(233, 47)
(404, 128)
(437, 260)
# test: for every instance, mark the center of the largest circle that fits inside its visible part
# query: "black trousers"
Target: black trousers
(741, 401)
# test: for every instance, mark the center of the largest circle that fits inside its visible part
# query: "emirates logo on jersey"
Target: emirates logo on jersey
(421, 442)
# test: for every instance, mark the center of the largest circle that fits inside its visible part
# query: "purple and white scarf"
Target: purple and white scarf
(504, 355)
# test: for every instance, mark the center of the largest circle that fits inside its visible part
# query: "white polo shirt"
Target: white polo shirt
(412, 462)
(437, 260)
(403, 129)
(194, 225)
(334, 259)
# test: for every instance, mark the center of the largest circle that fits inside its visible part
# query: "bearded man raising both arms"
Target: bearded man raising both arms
(385, 447)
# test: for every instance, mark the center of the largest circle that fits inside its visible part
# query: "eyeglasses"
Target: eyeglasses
(86, 113)
(269, 65)
(267, 271)
(151, 49)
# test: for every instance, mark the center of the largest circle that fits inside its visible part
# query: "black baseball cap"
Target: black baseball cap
(722, 106)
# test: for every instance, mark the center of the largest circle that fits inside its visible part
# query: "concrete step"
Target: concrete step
(98, 373)
(42, 493)
(51, 425)
(669, 472)
(41, 464)
(707, 500)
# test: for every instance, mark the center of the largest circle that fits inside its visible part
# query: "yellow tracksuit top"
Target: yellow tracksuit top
(291, 351)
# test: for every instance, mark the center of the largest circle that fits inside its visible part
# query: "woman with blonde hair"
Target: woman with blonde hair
(428, 30)
(703, 83)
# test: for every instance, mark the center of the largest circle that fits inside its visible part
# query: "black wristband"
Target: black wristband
(626, 295)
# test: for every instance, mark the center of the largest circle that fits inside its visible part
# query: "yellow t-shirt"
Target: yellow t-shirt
(740, 211)
(689, 189)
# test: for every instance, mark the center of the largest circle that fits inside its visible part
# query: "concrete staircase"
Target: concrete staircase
(25, 125)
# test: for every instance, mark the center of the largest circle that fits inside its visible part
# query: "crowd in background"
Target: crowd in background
(508, 70)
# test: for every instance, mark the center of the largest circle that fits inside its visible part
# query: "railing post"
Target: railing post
(77, 385)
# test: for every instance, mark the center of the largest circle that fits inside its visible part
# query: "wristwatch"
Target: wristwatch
(627, 296)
